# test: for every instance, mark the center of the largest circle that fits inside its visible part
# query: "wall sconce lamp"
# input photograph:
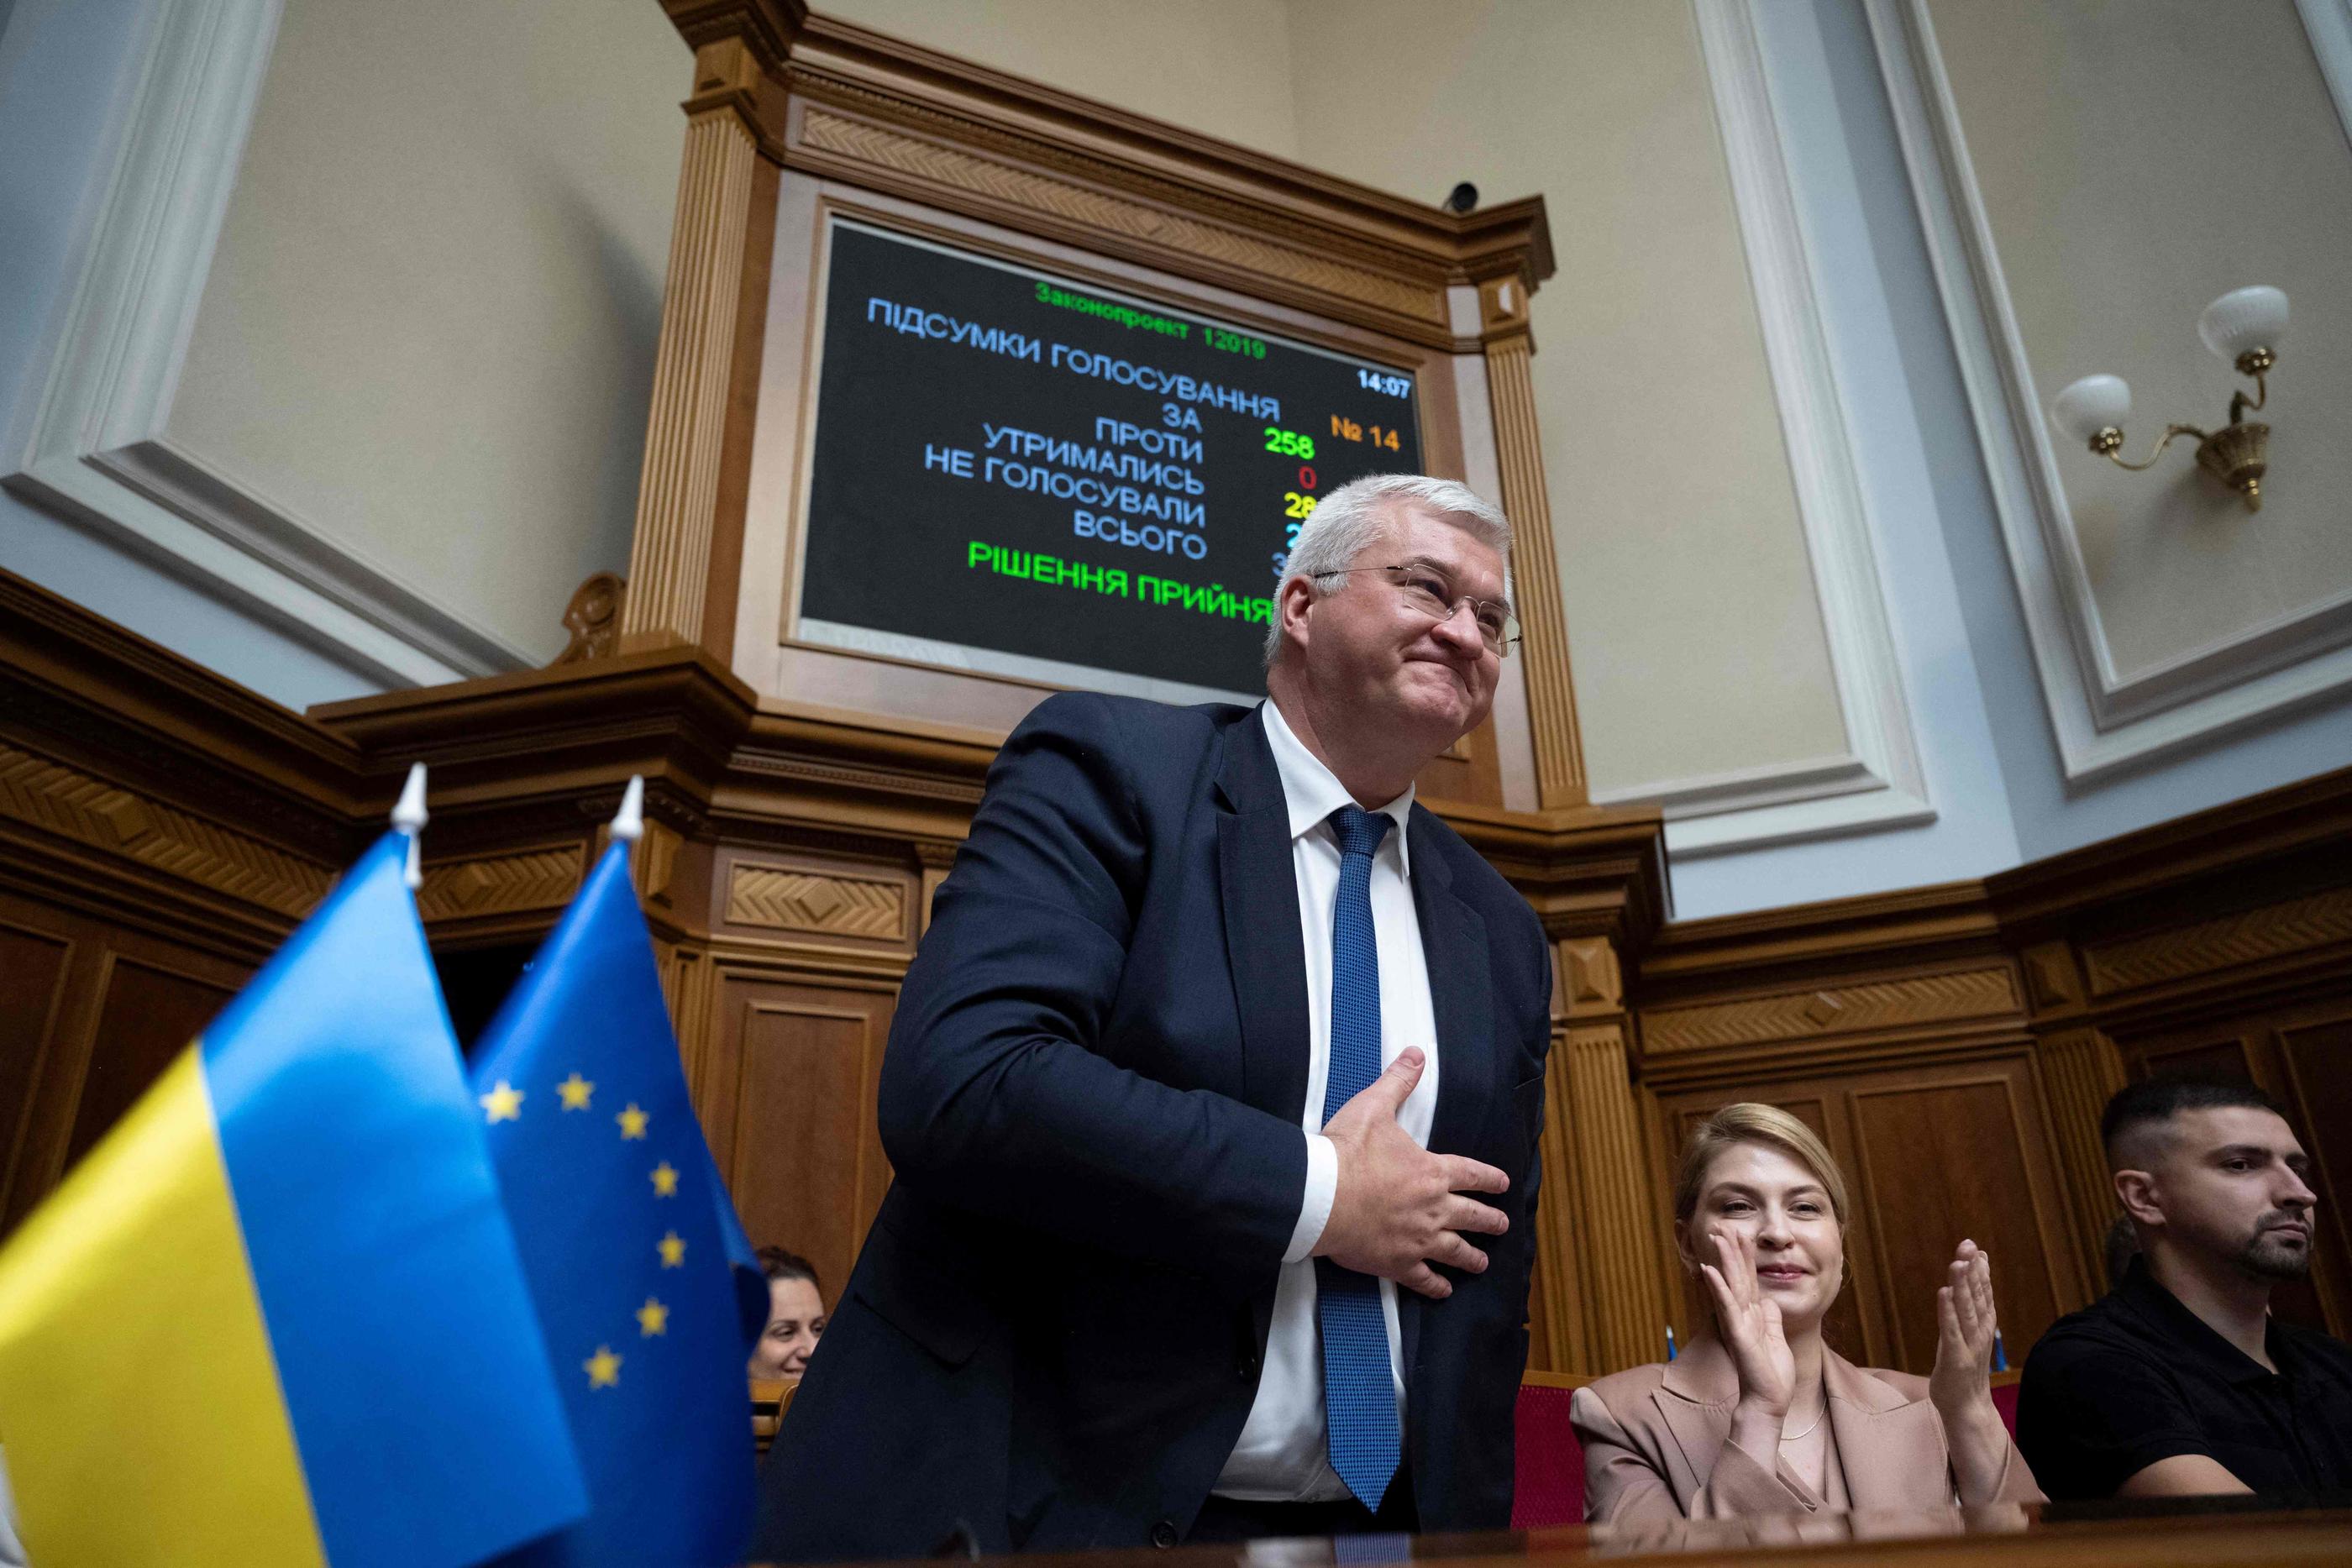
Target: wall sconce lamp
(2244, 327)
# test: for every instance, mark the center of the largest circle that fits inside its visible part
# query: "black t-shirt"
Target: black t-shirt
(2137, 1377)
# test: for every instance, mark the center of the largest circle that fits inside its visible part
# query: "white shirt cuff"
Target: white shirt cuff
(1314, 1205)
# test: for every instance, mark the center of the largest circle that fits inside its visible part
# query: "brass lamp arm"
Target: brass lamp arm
(2172, 433)
(2240, 404)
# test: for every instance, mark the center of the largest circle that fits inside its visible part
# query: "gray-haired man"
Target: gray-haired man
(1213, 1096)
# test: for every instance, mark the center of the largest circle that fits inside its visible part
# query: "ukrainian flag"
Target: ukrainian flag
(278, 1316)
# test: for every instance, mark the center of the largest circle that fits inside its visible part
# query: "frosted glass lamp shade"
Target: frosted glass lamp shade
(2243, 320)
(2091, 405)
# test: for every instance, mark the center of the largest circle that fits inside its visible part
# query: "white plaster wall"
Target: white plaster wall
(68, 69)
(1993, 766)
(1220, 67)
(429, 330)
(1695, 631)
(2135, 162)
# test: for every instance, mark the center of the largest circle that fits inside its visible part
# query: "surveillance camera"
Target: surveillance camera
(1462, 198)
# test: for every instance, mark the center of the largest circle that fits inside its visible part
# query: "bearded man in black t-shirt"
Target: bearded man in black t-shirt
(2179, 1382)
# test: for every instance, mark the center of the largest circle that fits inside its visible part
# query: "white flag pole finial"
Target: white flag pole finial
(629, 821)
(409, 817)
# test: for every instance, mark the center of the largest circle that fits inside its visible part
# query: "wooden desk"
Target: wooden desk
(2195, 1534)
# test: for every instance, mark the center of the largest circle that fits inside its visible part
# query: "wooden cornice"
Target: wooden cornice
(766, 26)
(1911, 923)
(672, 712)
(2207, 910)
(1359, 216)
(2186, 864)
(110, 694)
(840, 101)
(137, 786)
(1588, 871)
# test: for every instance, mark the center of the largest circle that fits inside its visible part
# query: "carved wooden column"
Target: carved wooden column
(739, 47)
(1543, 614)
(1594, 1118)
(2081, 1069)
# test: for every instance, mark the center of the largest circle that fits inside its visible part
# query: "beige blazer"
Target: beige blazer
(1655, 1444)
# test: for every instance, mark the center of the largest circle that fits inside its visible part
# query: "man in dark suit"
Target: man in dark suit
(1213, 1038)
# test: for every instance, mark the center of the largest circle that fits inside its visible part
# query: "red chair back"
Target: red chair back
(1551, 1479)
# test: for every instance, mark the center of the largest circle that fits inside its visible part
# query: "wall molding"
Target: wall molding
(2105, 719)
(786, 898)
(2183, 952)
(1878, 781)
(98, 454)
(1839, 1008)
(2328, 23)
(52, 796)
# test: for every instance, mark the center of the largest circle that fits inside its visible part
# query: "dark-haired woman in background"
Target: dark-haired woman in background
(1759, 1416)
(795, 1316)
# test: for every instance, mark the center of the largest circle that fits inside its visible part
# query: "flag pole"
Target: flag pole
(408, 818)
(629, 821)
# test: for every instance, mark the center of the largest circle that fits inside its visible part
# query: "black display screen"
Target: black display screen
(1006, 461)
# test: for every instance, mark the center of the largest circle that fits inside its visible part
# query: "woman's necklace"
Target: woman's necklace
(1799, 1436)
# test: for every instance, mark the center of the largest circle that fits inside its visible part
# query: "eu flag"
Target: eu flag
(276, 1316)
(625, 1231)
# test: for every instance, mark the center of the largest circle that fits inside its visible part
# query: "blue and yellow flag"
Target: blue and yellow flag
(624, 1231)
(276, 1316)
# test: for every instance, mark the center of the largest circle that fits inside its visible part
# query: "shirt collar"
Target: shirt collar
(1313, 792)
(2191, 1334)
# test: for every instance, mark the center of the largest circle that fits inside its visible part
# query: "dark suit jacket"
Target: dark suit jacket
(1091, 1099)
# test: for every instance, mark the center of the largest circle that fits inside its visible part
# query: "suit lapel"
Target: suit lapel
(1890, 1447)
(1454, 947)
(1259, 892)
(1693, 1395)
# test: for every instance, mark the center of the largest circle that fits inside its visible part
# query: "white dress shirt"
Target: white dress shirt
(1281, 1456)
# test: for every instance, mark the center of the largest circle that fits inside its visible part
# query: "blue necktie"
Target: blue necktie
(1360, 1412)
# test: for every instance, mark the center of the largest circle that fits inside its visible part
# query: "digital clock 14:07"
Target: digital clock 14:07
(1392, 386)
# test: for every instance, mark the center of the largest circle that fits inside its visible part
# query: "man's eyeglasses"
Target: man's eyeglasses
(1428, 593)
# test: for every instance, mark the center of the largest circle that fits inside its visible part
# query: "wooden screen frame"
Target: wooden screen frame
(767, 652)
(799, 120)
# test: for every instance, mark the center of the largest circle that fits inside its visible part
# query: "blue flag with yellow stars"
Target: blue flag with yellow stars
(627, 1240)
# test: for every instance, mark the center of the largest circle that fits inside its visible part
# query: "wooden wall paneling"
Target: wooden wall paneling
(723, 596)
(1620, 1270)
(688, 979)
(798, 1066)
(149, 1014)
(1470, 770)
(32, 987)
(474, 896)
(670, 563)
(935, 861)
(2202, 1054)
(1597, 1265)
(2316, 1052)
(1952, 1156)
(121, 1004)
(34, 965)
(1542, 659)
(2080, 1070)
(1559, 1335)
(818, 903)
